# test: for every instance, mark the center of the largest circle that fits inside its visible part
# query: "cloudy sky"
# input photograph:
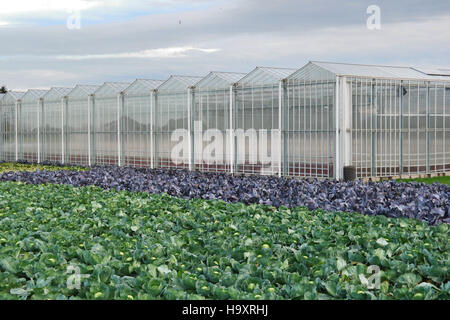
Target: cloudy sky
(46, 43)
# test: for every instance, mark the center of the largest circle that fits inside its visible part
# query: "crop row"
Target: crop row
(430, 203)
(61, 242)
(27, 166)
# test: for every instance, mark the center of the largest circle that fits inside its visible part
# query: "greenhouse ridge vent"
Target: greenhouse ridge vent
(386, 121)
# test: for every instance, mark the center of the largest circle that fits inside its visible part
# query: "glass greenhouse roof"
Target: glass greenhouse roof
(140, 86)
(57, 93)
(33, 95)
(179, 83)
(264, 75)
(317, 70)
(111, 88)
(217, 79)
(82, 90)
(435, 71)
(12, 96)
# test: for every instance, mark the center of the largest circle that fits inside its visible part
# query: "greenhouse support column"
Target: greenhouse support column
(280, 127)
(400, 92)
(16, 120)
(89, 122)
(285, 109)
(63, 154)
(337, 151)
(427, 128)
(122, 128)
(231, 133)
(373, 115)
(346, 107)
(444, 146)
(192, 127)
(66, 136)
(43, 132)
(119, 129)
(235, 109)
(190, 98)
(38, 131)
(152, 128)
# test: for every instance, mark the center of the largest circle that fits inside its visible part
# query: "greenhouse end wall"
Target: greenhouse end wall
(172, 129)
(51, 131)
(76, 130)
(136, 137)
(310, 128)
(399, 127)
(312, 124)
(8, 130)
(211, 118)
(28, 137)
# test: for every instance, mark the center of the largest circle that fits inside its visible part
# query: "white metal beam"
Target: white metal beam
(280, 125)
(89, 128)
(119, 128)
(39, 130)
(190, 135)
(346, 110)
(152, 136)
(17, 130)
(63, 104)
(231, 133)
(337, 151)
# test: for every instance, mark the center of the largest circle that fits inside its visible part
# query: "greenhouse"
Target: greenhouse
(8, 129)
(137, 123)
(78, 128)
(309, 134)
(318, 121)
(29, 124)
(52, 126)
(108, 99)
(213, 119)
(173, 126)
(258, 121)
(390, 121)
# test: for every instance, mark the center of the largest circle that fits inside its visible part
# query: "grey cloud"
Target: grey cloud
(249, 33)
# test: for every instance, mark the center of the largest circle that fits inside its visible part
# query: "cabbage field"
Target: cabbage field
(154, 234)
(430, 203)
(24, 166)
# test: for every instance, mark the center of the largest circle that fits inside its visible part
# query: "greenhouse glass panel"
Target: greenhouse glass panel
(446, 128)
(213, 133)
(172, 127)
(9, 105)
(107, 101)
(414, 128)
(310, 128)
(137, 133)
(257, 121)
(436, 126)
(376, 126)
(310, 124)
(51, 126)
(398, 127)
(30, 117)
(77, 131)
